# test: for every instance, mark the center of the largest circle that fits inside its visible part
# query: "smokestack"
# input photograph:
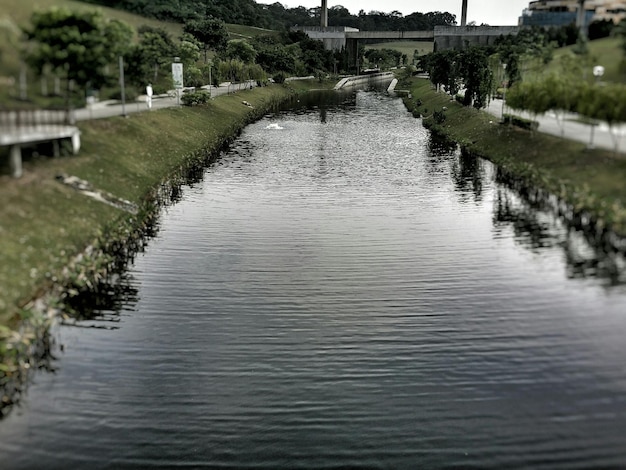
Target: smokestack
(581, 17)
(324, 14)
(464, 13)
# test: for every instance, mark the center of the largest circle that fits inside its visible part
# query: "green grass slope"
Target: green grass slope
(15, 14)
(606, 52)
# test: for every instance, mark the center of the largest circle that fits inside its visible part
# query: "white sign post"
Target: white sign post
(177, 76)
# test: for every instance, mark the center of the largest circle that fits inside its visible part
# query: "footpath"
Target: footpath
(567, 126)
(104, 109)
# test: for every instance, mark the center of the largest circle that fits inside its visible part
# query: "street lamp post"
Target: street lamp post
(210, 81)
(122, 85)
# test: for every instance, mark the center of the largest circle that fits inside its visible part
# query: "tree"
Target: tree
(563, 96)
(604, 103)
(600, 29)
(210, 32)
(476, 73)
(241, 50)
(315, 56)
(188, 50)
(80, 45)
(155, 50)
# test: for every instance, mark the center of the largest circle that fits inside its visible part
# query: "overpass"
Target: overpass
(444, 37)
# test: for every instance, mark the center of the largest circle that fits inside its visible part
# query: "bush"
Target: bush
(279, 77)
(439, 117)
(194, 77)
(194, 98)
(130, 93)
(521, 122)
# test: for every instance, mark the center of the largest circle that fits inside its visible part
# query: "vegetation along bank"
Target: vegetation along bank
(590, 183)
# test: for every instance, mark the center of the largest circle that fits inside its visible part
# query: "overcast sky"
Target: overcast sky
(492, 12)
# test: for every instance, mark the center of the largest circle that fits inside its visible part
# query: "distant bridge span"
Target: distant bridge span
(444, 37)
(415, 35)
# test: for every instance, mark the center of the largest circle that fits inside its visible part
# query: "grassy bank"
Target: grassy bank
(44, 224)
(589, 180)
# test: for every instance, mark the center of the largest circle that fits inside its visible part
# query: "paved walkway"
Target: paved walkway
(572, 129)
(105, 109)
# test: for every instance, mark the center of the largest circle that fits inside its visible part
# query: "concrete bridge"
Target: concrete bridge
(444, 37)
(27, 128)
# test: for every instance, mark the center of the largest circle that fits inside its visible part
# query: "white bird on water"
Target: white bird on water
(274, 126)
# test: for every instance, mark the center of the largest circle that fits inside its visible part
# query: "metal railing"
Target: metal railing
(16, 120)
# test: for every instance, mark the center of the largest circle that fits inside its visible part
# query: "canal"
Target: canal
(342, 290)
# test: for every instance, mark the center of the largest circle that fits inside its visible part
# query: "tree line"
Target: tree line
(276, 16)
(574, 89)
(83, 48)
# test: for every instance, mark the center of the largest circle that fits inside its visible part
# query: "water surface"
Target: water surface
(343, 290)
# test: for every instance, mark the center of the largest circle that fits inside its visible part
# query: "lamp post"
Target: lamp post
(210, 81)
(598, 72)
(505, 82)
(122, 85)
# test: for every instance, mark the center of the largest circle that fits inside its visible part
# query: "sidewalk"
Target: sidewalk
(110, 108)
(572, 129)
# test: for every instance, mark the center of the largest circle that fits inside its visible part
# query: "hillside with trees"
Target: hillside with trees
(276, 16)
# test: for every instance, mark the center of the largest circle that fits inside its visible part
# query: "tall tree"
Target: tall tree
(80, 45)
(240, 49)
(211, 33)
(154, 51)
(477, 76)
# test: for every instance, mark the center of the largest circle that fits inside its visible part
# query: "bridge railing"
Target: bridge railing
(20, 120)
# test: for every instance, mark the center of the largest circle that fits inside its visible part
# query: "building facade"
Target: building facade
(564, 12)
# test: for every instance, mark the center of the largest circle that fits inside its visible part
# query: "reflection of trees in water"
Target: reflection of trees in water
(439, 145)
(105, 301)
(40, 357)
(98, 308)
(532, 228)
(441, 151)
(318, 99)
(467, 171)
(536, 226)
(468, 174)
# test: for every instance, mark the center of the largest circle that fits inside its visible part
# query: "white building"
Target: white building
(562, 12)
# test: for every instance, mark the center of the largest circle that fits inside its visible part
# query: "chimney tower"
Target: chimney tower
(464, 13)
(324, 14)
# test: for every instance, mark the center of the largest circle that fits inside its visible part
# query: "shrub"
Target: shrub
(439, 117)
(279, 77)
(130, 93)
(521, 122)
(194, 98)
